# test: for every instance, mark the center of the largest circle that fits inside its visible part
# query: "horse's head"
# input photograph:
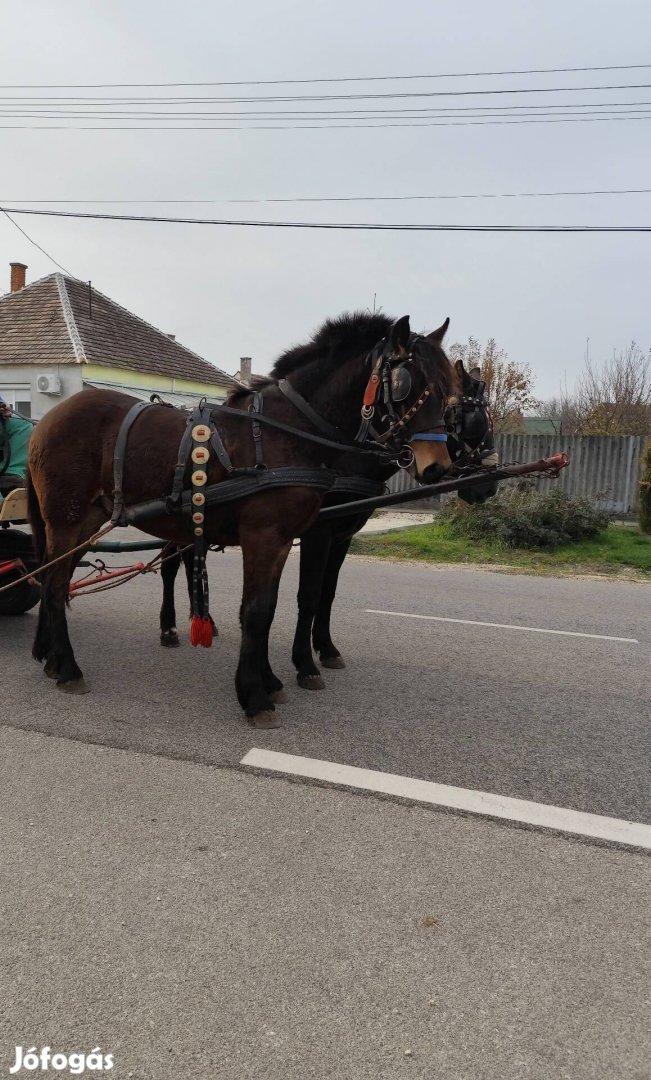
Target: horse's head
(470, 431)
(413, 381)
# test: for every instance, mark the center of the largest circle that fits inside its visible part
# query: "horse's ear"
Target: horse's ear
(400, 332)
(436, 337)
(475, 373)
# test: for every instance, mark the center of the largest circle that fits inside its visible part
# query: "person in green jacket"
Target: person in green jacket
(15, 432)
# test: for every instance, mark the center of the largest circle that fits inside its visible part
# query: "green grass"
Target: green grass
(616, 549)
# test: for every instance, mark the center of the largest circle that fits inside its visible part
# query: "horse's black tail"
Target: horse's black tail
(36, 520)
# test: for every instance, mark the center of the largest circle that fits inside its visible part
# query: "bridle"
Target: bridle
(469, 412)
(389, 384)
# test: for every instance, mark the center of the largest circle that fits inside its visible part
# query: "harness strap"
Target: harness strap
(217, 445)
(303, 406)
(255, 408)
(348, 447)
(238, 487)
(179, 470)
(119, 455)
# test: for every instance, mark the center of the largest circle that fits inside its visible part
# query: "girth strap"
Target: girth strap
(119, 456)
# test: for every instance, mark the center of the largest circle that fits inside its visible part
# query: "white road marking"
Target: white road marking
(475, 802)
(504, 626)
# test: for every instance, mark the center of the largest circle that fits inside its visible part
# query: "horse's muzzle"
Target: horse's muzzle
(434, 473)
(479, 493)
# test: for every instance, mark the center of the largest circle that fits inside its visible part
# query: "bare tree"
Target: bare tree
(552, 411)
(614, 399)
(509, 384)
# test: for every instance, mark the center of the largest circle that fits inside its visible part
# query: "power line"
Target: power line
(321, 126)
(339, 79)
(67, 108)
(338, 198)
(114, 100)
(347, 226)
(269, 115)
(44, 252)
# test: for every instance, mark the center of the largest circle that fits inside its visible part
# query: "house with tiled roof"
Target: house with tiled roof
(59, 334)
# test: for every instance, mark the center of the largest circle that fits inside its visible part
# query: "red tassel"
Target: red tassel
(201, 632)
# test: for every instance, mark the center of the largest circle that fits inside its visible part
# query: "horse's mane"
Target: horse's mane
(333, 343)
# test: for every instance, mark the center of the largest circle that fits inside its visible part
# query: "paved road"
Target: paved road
(209, 922)
(205, 923)
(554, 719)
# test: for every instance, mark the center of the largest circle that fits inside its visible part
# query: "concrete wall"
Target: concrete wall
(603, 468)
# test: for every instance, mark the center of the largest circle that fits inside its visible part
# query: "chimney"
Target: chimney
(245, 370)
(172, 337)
(17, 276)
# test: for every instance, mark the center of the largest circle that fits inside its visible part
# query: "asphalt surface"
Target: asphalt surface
(561, 720)
(198, 920)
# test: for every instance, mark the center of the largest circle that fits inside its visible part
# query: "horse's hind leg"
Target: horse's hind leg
(169, 569)
(60, 658)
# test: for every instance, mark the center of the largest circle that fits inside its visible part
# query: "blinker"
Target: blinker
(400, 383)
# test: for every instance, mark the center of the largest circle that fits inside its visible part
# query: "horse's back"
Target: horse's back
(72, 446)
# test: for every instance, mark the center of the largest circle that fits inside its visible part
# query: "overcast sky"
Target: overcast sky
(227, 292)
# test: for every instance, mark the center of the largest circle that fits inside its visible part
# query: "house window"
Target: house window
(19, 397)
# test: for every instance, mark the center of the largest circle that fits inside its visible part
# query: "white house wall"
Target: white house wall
(27, 375)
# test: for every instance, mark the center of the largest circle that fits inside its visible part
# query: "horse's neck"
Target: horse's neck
(367, 467)
(338, 396)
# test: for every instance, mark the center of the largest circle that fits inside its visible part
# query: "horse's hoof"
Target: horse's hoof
(51, 672)
(332, 662)
(311, 682)
(279, 697)
(74, 686)
(265, 720)
(170, 639)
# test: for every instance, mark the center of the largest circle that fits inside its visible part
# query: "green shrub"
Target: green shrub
(522, 517)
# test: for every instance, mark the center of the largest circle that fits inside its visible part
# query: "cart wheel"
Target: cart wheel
(19, 600)
(15, 544)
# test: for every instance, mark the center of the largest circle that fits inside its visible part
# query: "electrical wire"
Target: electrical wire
(617, 118)
(338, 79)
(339, 198)
(114, 100)
(349, 226)
(42, 250)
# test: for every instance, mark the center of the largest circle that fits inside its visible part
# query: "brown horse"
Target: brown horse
(71, 474)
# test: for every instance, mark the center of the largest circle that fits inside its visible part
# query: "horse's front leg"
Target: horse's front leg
(315, 549)
(329, 654)
(264, 556)
(169, 569)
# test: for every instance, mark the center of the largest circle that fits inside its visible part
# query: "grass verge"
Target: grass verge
(618, 549)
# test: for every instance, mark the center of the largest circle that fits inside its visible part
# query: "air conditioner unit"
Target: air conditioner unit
(48, 384)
